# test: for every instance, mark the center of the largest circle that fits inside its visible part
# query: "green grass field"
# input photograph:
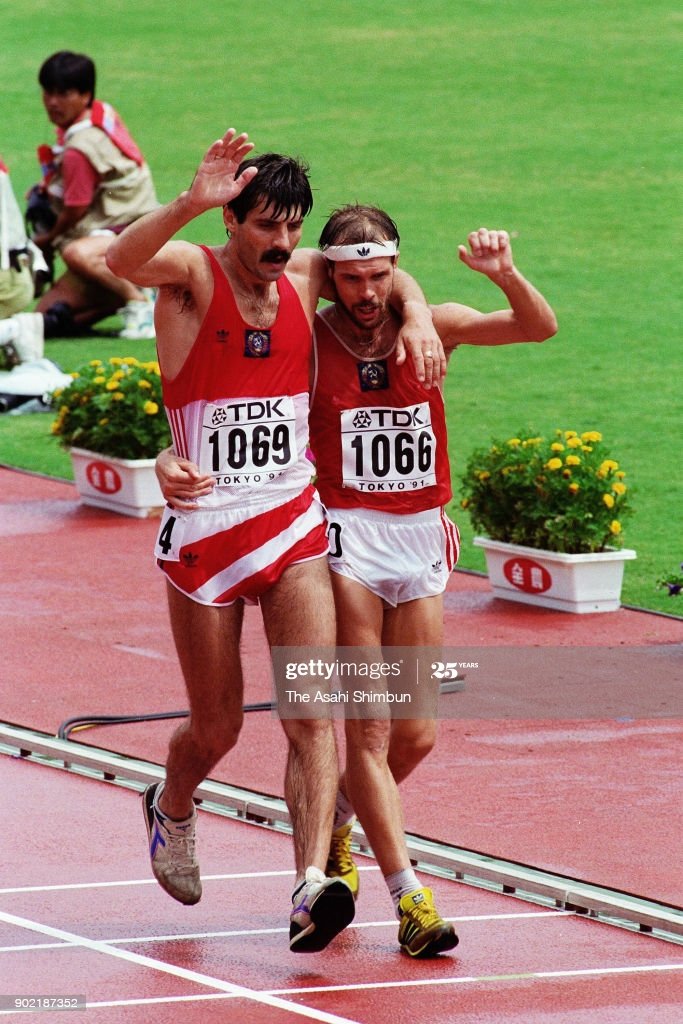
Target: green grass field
(553, 119)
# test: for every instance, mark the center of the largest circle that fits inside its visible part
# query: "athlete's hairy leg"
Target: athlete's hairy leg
(298, 611)
(207, 641)
(367, 781)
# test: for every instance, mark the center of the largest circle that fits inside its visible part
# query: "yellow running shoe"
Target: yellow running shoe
(421, 931)
(340, 863)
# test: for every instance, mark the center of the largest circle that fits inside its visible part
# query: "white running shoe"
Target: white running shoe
(24, 332)
(138, 320)
(322, 907)
(172, 850)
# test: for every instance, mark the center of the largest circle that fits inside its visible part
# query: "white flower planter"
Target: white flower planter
(127, 486)
(568, 583)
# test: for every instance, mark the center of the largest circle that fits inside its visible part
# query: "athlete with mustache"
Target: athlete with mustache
(234, 343)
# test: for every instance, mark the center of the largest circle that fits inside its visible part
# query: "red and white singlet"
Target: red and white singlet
(239, 410)
(378, 436)
(380, 443)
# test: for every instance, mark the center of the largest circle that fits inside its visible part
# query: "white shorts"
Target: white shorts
(219, 556)
(398, 557)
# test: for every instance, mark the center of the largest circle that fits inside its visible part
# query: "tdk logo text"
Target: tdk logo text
(388, 419)
(246, 412)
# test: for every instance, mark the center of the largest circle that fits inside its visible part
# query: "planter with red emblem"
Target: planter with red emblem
(570, 583)
(127, 486)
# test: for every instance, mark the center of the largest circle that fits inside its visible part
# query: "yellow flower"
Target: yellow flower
(95, 362)
(608, 500)
(574, 442)
(620, 475)
(619, 488)
(75, 374)
(556, 447)
(586, 448)
(591, 435)
(144, 384)
(118, 396)
(464, 503)
(112, 385)
(615, 527)
(130, 361)
(553, 463)
(104, 421)
(484, 475)
(514, 442)
(98, 380)
(573, 460)
(570, 433)
(573, 488)
(115, 361)
(151, 408)
(608, 466)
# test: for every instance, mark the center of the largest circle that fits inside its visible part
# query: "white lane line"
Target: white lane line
(418, 982)
(95, 946)
(484, 978)
(241, 932)
(67, 886)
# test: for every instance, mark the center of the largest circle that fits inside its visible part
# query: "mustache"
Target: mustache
(273, 255)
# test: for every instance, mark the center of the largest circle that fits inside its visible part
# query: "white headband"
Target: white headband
(360, 251)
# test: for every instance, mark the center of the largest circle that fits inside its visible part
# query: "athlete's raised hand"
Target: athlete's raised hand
(215, 183)
(490, 252)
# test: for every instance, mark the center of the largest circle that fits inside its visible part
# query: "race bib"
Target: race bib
(386, 449)
(249, 440)
(170, 536)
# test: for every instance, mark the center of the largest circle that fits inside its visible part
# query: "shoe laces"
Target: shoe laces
(181, 851)
(424, 913)
(340, 852)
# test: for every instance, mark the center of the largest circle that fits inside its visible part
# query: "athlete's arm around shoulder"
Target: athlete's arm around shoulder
(307, 271)
(529, 318)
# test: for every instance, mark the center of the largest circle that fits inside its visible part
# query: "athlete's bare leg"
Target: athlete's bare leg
(380, 754)
(207, 641)
(299, 611)
(413, 624)
(368, 781)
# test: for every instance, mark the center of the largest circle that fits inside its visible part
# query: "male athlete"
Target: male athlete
(384, 488)
(234, 342)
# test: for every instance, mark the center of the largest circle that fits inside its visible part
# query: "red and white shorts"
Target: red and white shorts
(398, 557)
(219, 556)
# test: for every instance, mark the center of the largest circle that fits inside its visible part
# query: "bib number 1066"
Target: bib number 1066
(380, 455)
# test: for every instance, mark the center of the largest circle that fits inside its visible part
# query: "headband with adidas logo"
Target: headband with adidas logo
(360, 251)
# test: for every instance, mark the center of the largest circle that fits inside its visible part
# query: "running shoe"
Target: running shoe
(172, 851)
(421, 931)
(322, 908)
(340, 863)
(138, 320)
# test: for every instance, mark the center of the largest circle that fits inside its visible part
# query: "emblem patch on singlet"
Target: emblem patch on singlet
(256, 344)
(373, 376)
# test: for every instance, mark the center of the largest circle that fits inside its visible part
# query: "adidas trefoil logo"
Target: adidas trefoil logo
(363, 251)
(190, 559)
(436, 566)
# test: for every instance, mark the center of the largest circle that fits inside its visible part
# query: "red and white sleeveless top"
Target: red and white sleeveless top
(379, 438)
(239, 406)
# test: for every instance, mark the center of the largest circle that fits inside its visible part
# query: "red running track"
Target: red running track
(81, 915)
(84, 630)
